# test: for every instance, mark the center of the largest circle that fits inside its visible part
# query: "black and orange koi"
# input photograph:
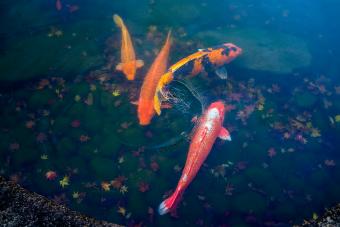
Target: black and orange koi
(203, 60)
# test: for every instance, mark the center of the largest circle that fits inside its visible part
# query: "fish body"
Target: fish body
(209, 127)
(204, 59)
(148, 89)
(128, 64)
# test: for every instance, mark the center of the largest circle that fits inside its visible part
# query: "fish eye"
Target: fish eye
(233, 48)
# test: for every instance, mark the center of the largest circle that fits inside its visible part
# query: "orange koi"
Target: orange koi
(204, 59)
(208, 128)
(128, 64)
(157, 69)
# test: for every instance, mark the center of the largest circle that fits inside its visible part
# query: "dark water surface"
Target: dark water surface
(65, 111)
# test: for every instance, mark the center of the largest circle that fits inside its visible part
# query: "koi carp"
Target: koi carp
(145, 103)
(209, 127)
(204, 59)
(128, 64)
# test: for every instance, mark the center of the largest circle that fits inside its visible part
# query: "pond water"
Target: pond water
(69, 129)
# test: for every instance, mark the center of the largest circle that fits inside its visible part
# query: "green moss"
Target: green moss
(133, 136)
(65, 147)
(321, 121)
(305, 99)
(249, 201)
(259, 176)
(319, 177)
(237, 221)
(81, 89)
(285, 211)
(61, 124)
(25, 156)
(68, 54)
(130, 163)
(137, 204)
(44, 186)
(103, 168)
(40, 98)
(77, 109)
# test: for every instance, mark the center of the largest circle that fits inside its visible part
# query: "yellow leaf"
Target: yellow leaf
(315, 216)
(337, 118)
(260, 107)
(64, 182)
(116, 93)
(309, 125)
(315, 132)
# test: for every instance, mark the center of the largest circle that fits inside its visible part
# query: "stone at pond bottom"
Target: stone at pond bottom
(263, 50)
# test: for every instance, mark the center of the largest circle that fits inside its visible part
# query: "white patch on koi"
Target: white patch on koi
(185, 177)
(212, 115)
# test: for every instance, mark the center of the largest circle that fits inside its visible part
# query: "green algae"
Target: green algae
(258, 176)
(40, 98)
(138, 204)
(305, 99)
(106, 145)
(67, 54)
(249, 201)
(284, 211)
(25, 156)
(103, 168)
(61, 124)
(65, 147)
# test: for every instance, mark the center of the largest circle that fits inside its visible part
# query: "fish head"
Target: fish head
(233, 50)
(129, 69)
(219, 105)
(145, 111)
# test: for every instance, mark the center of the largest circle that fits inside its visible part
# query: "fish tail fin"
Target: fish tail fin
(170, 203)
(118, 20)
(168, 38)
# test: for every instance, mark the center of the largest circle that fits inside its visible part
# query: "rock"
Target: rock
(19, 207)
(263, 50)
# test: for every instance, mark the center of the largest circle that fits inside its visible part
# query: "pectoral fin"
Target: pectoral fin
(139, 63)
(194, 119)
(222, 73)
(134, 103)
(119, 67)
(166, 106)
(224, 134)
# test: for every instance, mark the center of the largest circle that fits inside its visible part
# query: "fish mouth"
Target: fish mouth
(144, 122)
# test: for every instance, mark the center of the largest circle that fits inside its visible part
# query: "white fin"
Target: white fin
(224, 134)
(222, 73)
(139, 63)
(119, 67)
